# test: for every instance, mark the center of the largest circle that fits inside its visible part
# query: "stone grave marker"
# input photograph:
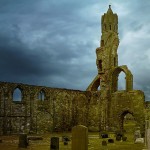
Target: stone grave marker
(79, 138)
(104, 143)
(147, 134)
(124, 138)
(148, 139)
(23, 141)
(137, 134)
(139, 140)
(110, 140)
(54, 143)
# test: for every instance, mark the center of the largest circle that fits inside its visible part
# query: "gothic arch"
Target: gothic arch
(41, 94)
(15, 91)
(137, 117)
(95, 84)
(129, 78)
(121, 116)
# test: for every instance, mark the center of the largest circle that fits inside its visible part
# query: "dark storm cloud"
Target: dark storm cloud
(40, 51)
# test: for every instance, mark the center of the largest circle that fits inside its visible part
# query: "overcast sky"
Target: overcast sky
(52, 43)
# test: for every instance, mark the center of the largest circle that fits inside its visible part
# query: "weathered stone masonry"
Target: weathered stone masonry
(61, 109)
(116, 104)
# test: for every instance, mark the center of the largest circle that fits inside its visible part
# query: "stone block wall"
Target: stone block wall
(59, 110)
(123, 102)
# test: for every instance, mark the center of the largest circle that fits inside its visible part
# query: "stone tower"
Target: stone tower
(106, 61)
(113, 104)
(107, 57)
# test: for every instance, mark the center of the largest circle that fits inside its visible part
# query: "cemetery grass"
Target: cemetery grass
(11, 143)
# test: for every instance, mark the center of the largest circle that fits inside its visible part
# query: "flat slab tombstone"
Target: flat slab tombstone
(139, 140)
(79, 138)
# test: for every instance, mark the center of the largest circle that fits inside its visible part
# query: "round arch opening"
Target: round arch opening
(128, 122)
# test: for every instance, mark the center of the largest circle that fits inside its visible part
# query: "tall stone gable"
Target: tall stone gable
(115, 103)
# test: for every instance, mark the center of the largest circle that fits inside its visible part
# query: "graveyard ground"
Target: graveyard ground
(11, 143)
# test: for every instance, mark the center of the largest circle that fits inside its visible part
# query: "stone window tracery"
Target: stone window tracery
(41, 95)
(100, 64)
(17, 95)
(110, 27)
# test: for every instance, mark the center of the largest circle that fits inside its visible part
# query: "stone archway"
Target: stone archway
(95, 84)
(129, 123)
(138, 117)
(129, 78)
(122, 118)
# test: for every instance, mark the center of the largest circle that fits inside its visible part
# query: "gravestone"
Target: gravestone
(65, 140)
(104, 135)
(54, 143)
(110, 140)
(23, 141)
(148, 139)
(139, 140)
(118, 138)
(79, 138)
(147, 134)
(137, 134)
(104, 143)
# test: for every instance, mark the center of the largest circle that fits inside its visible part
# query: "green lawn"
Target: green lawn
(11, 143)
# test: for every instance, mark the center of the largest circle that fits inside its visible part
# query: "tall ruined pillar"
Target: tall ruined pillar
(106, 61)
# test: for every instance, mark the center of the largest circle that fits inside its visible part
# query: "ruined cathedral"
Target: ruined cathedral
(43, 109)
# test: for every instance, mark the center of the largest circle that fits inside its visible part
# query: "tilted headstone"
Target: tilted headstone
(54, 143)
(23, 141)
(80, 138)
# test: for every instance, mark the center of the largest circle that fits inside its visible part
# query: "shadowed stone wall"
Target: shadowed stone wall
(54, 112)
(57, 110)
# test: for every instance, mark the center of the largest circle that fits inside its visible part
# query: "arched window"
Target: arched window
(41, 95)
(104, 26)
(99, 88)
(122, 76)
(102, 42)
(114, 61)
(100, 64)
(122, 81)
(17, 95)
(110, 27)
(127, 121)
